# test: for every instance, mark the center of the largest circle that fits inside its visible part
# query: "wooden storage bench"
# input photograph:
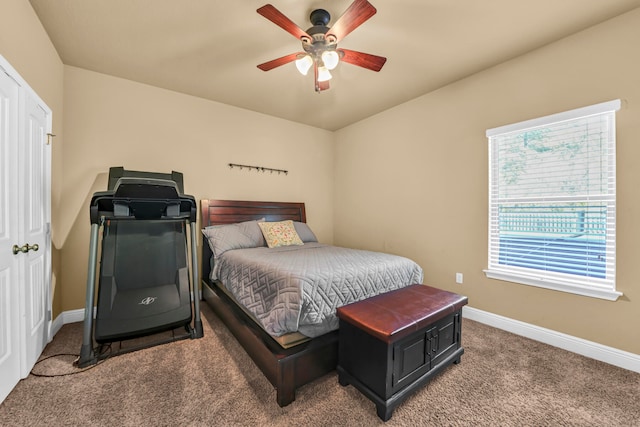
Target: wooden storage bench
(393, 343)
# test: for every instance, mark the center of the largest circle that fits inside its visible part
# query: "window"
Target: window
(552, 202)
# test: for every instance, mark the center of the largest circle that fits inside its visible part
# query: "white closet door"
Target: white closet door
(25, 241)
(10, 352)
(32, 155)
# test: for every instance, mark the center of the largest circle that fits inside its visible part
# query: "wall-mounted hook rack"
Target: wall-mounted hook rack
(258, 168)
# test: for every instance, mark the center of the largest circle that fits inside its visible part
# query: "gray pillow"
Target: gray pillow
(305, 233)
(222, 238)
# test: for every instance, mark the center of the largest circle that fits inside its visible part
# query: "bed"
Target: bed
(272, 336)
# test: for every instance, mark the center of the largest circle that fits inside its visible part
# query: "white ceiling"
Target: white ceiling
(210, 48)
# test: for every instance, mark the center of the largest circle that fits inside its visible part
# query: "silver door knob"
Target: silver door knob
(25, 248)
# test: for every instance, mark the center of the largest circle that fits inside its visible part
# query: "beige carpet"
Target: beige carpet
(503, 380)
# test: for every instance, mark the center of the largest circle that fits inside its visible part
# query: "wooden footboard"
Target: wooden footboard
(287, 369)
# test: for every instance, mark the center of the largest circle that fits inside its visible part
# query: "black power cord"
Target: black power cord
(104, 352)
(101, 358)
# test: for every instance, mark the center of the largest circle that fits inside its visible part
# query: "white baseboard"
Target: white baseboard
(603, 353)
(56, 325)
(65, 317)
(73, 316)
(610, 355)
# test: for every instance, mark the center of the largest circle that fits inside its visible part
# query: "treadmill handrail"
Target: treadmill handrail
(128, 200)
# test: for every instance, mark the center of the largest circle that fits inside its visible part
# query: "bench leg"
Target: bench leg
(384, 412)
(342, 381)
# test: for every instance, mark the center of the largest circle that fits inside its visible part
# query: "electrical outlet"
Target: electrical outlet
(459, 278)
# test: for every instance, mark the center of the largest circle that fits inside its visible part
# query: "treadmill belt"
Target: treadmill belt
(144, 279)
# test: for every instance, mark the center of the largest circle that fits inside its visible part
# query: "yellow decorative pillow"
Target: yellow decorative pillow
(281, 233)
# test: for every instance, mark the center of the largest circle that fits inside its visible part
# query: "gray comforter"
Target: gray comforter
(298, 288)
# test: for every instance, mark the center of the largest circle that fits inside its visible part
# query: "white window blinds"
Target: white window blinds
(552, 201)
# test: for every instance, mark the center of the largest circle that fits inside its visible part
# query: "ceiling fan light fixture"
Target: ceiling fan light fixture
(323, 74)
(319, 43)
(304, 64)
(330, 58)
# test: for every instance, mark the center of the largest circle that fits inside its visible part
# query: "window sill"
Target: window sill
(556, 285)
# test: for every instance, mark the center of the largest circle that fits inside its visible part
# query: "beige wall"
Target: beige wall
(25, 44)
(413, 180)
(116, 122)
(427, 157)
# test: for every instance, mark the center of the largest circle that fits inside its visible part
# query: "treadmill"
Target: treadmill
(144, 284)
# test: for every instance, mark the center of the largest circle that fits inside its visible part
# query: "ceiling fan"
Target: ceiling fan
(320, 43)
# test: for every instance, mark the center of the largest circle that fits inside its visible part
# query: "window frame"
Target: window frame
(540, 278)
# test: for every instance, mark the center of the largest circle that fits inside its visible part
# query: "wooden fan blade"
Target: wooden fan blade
(365, 60)
(278, 18)
(352, 18)
(270, 65)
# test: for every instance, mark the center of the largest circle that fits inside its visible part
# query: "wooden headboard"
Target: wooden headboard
(217, 212)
